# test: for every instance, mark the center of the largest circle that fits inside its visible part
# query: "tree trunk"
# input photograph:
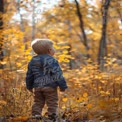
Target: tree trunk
(33, 21)
(22, 28)
(102, 46)
(85, 42)
(70, 46)
(1, 28)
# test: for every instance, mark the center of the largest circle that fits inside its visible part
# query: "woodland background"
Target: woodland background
(88, 39)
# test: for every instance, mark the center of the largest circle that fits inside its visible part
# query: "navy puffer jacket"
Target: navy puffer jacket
(44, 70)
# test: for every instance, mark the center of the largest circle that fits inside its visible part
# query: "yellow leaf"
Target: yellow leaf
(86, 99)
(2, 102)
(65, 52)
(116, 99)
(66, 60)
(63, 107)
(22, 47)
(107, 93)
(102, 92)
(65, 47)
(89, 106)
(19, 64)
(81, 99)
(29, 57)
(3, 62)
(64, 99)
(103, 81)
(56, 47)
(85, 95)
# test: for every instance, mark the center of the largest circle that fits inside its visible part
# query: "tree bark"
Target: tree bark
(22, 28)
(33, 21)
(70, 46)
(102, 47)
(85, 42)
(1, 28)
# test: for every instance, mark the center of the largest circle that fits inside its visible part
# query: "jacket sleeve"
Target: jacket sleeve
(29, 78)
(60, 78)
(62, 83)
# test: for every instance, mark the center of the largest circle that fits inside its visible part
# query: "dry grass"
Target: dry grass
(92, 95)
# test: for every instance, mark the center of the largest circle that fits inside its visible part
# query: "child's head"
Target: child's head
(43, 46)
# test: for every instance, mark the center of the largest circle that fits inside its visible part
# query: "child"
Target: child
(44, 75)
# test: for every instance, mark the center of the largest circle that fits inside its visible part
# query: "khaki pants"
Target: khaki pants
(44, 95)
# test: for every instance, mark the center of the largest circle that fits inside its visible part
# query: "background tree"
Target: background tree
(85, 42)
(33, 20)
(103, 47)
(1, 31)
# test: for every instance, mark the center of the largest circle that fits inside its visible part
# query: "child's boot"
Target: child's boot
(52, 117)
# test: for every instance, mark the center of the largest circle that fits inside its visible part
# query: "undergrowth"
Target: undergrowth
(92, 95)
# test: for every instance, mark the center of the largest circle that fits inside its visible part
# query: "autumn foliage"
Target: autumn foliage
(93, 95)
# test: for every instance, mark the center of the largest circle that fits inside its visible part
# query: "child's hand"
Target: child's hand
(31, 90)
(62, 90)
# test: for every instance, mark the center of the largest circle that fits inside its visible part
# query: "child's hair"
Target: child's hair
(41, 46)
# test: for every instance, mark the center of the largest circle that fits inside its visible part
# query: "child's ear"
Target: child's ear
(49, 50)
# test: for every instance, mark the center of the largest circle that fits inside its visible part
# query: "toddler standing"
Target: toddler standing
(44, 75)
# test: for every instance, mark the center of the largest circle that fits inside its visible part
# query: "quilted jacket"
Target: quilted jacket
(44, 70)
